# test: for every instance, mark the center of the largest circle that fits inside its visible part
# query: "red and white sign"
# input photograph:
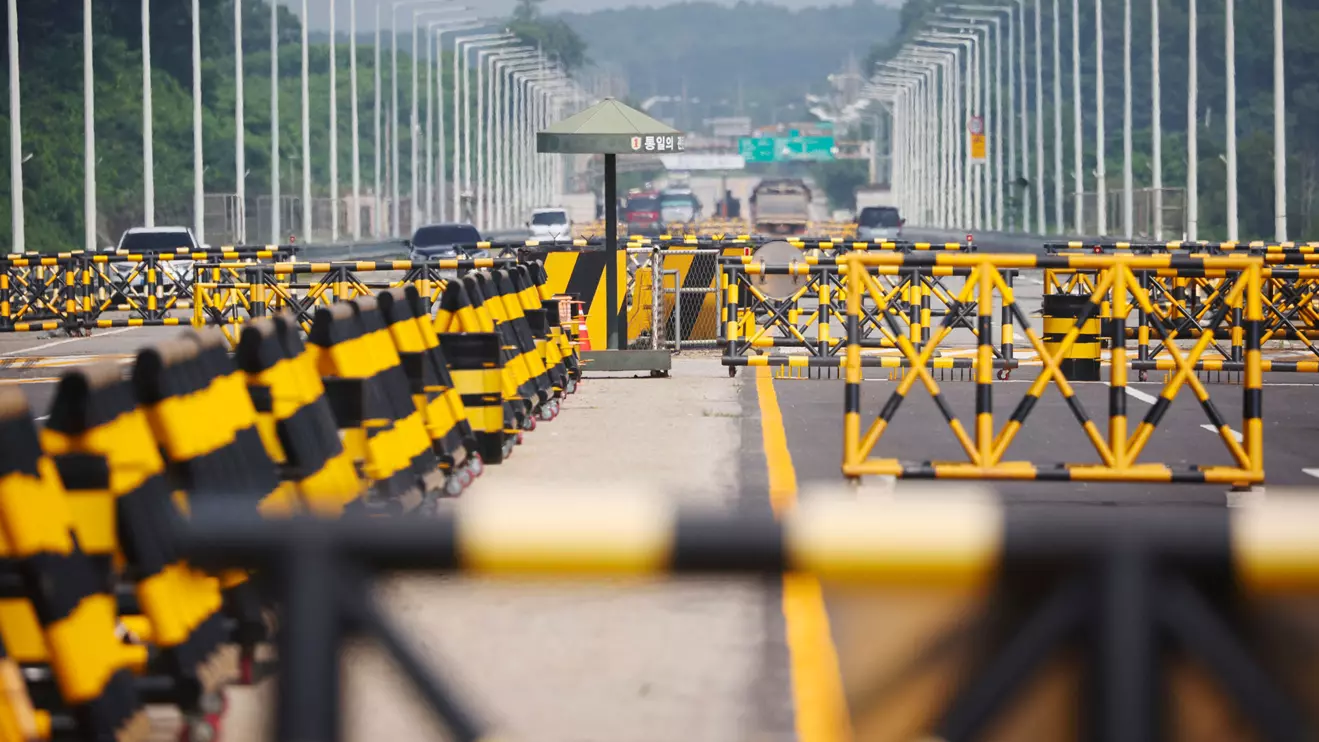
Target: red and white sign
(636, 144)
(976, 125)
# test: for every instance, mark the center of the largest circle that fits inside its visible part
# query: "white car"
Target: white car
(550, 224)
(140, 240)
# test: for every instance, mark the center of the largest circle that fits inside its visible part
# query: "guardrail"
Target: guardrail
(1120, 584)
(1123, 281)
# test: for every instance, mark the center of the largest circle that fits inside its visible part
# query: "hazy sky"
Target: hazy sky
(319, 10)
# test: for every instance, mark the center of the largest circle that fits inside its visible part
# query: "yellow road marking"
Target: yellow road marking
(817, 686)
(36, 380)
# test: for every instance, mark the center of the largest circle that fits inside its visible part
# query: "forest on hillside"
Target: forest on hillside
(1254, 80)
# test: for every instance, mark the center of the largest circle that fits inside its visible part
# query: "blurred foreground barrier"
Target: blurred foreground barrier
(1123, 281)
(1121, 588)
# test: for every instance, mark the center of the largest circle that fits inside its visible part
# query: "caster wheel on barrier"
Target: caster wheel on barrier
(531, 425)
(246, 669)
(732, 371)
(454, 486)
(546, 413)
(1143, 375)
(518, 440)
(508, 448)
(475, 465)
(1004, 374)
(465, 478)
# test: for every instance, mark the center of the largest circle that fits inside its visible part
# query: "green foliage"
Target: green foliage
(840, 179)
(555, 38)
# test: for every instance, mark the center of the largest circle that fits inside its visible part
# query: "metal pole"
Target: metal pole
(1025, 116)
(1101, 184)
(413, 128)
(15, 137)
(1279, 130)
(478, 204)
(457, 131)
(1078, 142)
(148, 155)
(1231, 123)
(1041, 226)
(395, 226)
(198, 182)
(430, 123)
(377, 213)
(1128, 209)
(1156, 122)
(88, 131)
(355, 221)
(1192, 126)
(240, 134)
(998, 124)
(274, 124)
(306, 135)
(334, 129)
(1058, 122)
(1013, 40)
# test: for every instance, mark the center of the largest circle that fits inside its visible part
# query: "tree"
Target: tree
(555, 38)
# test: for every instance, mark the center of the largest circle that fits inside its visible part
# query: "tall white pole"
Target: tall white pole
(413, 207)
(148, 156)
(240, 133)
(198, 181)
(482, 135)
(1058, 123)
(430, 124)
(306, 134)
(355, 220)
(334, 129)
(88, 131)
(378, 215)
(1041, 226)
(395, 225)
(1078, 141)
(1101, 182)
(1279, 130)
(1128, 209)
(457, 132)
(441, 192)
(1025, 116)
(15, 137)
(1192, 126)
(1156, 122)
(998, 124)
(1231, 123)
(1014, 40)
(275, 237)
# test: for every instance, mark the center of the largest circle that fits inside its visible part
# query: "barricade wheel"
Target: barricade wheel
(476, 465)
(732, 371)
(1143, 375)
(1004, 374)
(465, 478)
(547, 412)
(454, 486)
(530, 426)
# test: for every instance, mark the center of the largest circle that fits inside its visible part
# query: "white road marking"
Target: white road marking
(1138, 394)
(1239, 437)
(1312, 472)
(54, 343)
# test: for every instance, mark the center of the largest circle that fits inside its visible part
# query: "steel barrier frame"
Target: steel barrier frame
(1121, 583)
(1117, 453)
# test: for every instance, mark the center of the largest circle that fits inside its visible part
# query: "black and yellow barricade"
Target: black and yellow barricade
(476, 362)
(527, 296)
(463, 309)
(1168, 618)
(506, 293)
(798, 305)
(123, 509)
(370, 395)
(67, 615)
(561, 332)
(520, 394)
(581, 275)
(20, 721)
(205, 423)
(1119, 452)
(1082, 361)
(432, 388)
(295, 420)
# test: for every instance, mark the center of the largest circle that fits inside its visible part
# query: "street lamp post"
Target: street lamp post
(89, 132)
(148, 163)
(15, 137)
(1279, 130)
(240, 134)
(1101, 183)
(306, 134)
(1192, 125)
(1231, 122)
(1128, 210)
(355, 220)
(275, 237)
(334, 128)
(1156, 122)
(198, 182)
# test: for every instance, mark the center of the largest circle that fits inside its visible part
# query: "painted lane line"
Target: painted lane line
(819, 700)
(54, 343)
(1312, 472)
(1239, 437)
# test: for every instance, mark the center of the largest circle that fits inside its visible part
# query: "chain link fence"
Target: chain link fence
(678, 305)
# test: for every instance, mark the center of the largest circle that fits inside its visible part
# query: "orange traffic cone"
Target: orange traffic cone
(583, 335)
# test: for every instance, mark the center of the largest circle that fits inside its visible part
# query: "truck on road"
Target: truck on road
(781, 206)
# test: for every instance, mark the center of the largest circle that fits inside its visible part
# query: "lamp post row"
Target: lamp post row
(526, 86)
(920, 85)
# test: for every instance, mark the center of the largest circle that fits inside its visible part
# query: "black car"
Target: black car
(445, 241)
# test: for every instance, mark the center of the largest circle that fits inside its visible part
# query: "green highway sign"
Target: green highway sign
(785, 149)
